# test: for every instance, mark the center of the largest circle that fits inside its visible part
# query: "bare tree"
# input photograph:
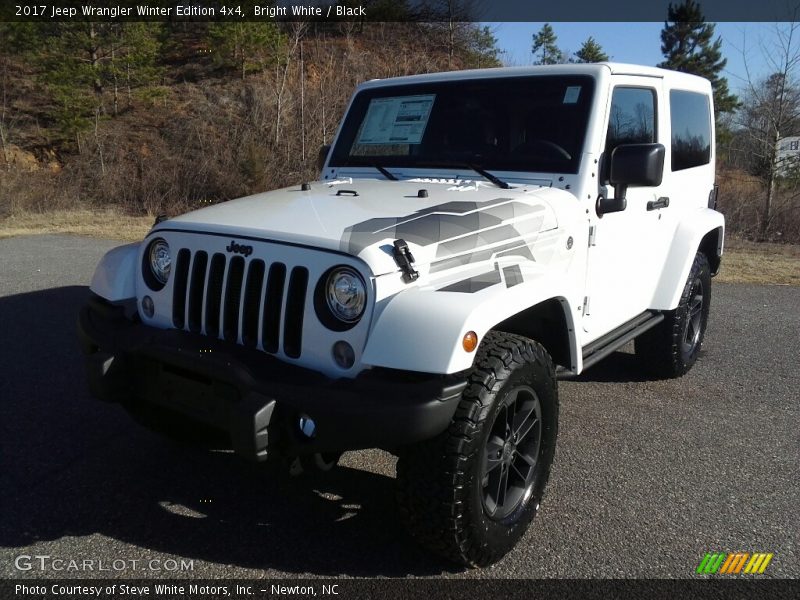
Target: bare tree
(771, 112)
(296, 35)
(4, 119)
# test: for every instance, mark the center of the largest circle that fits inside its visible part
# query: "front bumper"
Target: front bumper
(253, 397)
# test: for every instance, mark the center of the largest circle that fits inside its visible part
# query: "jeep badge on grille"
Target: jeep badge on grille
(239, 249)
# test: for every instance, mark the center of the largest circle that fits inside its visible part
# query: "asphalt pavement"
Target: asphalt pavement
(649, 475)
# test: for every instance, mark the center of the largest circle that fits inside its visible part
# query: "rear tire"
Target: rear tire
(470, 493)
(671, 348)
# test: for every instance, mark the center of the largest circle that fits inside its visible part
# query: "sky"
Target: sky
(745, 45)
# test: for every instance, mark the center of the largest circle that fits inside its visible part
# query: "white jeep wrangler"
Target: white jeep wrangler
(471, 234)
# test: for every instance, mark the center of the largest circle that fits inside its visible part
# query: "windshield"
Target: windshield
(534, 124)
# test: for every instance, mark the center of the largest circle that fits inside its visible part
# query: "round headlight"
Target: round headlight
(346, 294)
(159, 261)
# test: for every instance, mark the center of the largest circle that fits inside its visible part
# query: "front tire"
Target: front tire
(314, 464)
(470, 493)
(671, 348)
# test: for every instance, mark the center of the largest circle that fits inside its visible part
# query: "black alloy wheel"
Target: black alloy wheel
(511, 453)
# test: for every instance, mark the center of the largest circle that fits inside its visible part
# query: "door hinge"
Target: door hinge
(592, 235)
(585, 309)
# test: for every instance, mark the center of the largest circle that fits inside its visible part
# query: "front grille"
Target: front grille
(240, 301)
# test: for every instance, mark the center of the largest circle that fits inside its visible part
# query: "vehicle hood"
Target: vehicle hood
(444, 222)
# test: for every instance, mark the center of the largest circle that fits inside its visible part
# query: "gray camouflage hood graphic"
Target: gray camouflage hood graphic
(453, 223)
(459, 232)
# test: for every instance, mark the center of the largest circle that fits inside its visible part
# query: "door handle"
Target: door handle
(662, 202)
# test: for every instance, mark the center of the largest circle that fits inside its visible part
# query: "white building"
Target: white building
(788, 156)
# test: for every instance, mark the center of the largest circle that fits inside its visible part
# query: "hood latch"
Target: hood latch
(404, 258)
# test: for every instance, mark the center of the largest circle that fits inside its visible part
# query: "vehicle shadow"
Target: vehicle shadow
(74, 466)
(617, 367)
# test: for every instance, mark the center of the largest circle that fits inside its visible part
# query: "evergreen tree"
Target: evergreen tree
(19, 38)
(480, 48)
(544, 45)
(686, 42)
(248, 47)
(74, 67)
(590, 52)
(133, 60)
(84, 65)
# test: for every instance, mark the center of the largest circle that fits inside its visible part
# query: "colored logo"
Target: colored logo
(734, 563)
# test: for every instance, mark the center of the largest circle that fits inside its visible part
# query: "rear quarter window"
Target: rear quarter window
(690, 117)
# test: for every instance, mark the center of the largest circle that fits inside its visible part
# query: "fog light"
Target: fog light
(148, 306)
(470, 341)
(344, 355)
(307, 426)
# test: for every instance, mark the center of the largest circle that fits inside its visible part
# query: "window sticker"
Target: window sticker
(571, 94)
(399, 120)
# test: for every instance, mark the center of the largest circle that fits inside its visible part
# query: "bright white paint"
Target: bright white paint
(640, 259)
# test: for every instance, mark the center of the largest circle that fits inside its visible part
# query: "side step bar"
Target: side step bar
(615, 339)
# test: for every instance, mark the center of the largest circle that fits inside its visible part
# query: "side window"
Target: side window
(690, 117)
(632, 119)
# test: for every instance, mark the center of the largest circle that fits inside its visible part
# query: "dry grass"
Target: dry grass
(109, 224)
(744, 262)
(750, 262)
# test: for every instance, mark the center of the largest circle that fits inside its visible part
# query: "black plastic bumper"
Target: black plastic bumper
(255, 398)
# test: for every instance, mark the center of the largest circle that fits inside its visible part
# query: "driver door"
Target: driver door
(622, 273)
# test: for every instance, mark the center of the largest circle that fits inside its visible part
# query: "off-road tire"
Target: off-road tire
(671, 348)
(440, 483)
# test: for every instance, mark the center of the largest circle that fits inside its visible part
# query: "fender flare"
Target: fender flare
(115, 276)
(422, 330)
(685, 243)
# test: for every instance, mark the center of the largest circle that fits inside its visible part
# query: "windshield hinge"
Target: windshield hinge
(404, 258)
(592, 235)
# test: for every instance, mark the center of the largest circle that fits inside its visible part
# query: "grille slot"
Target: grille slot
(273, 306)
(197, 285)
(295, 307)
(233, 297)
(214, 294)
(240, 300)
(252, 303)
(179, 294)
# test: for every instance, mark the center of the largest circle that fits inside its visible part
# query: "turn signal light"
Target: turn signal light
(470, 341)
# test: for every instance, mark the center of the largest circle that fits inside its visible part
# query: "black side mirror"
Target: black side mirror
(640, 165)
(322, 156)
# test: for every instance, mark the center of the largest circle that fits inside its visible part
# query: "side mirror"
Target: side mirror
(322, 156)
(639, 165)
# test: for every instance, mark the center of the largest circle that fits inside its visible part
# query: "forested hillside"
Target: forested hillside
(159, 117)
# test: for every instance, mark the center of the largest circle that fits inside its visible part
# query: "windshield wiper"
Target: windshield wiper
(385, 173)
(493, 178)
(455, 164)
